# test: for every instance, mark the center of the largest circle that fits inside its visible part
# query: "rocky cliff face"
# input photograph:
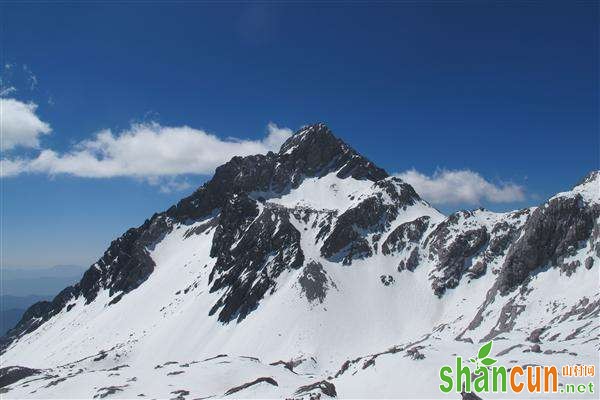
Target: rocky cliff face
(312, 254)
(552, 233)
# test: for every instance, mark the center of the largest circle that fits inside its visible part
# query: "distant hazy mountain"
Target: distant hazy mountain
(24, 286)
(39, 281)
(13, 307)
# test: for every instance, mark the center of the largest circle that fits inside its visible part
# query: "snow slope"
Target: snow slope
(353, 317)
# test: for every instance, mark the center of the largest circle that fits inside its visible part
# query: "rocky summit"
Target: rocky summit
(313, 273)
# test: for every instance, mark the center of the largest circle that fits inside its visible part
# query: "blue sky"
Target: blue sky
(503, 95)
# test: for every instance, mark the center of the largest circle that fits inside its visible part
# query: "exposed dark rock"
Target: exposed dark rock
(576, 332)
(508, 350)
(315, 151)
(589, 263)
(327, 388)
(554, 337)
(371, 359)
(453, 251)
(506, 320)
(369, 363)
(400, 192)
(477, 270)
(345, 366)
(118, 367)
(235, 217)
(236, 389)
(255, 359)
(215, 357)
(411, 262)
(534, 336)
(348, 239)
(314, 282)
(180, 394)
(415, 354)
(503, 235)
(101, 356)
(203, 228)
(387, 280)
(403, 235)
(107, 391)
(469, 396)
(264, 248)
(584, 309)
(56, 382)
(10, 375)
(536, 348)
(569, 268)
(551, 232)
(290, 365)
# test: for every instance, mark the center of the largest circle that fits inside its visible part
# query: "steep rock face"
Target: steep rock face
(248, 268)
(467, 243)
(411, 262)
(235, 217)
(552, 232)
(453, 259)
(453, 250)
(349, 238)
(404, 235)
(126, 263)
(406, 238)
(315, 151)
(502, 234)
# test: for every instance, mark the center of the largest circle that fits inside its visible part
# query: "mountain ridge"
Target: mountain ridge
(316, 243)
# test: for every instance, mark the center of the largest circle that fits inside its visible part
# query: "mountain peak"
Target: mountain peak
(315, 150)
(591, 177)
(588, 188)
(308, 136)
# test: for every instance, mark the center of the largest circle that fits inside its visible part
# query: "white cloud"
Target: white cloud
(147, 151)
(460, 187)
(12, 167)
(19, 124)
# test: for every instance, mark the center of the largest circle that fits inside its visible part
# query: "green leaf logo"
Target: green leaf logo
(485, 350)
(488, 361)
(482, 360)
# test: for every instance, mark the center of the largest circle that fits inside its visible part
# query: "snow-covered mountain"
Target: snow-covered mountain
(312, 272)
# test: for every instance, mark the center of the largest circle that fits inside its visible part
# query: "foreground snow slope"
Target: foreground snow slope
(313, 271)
